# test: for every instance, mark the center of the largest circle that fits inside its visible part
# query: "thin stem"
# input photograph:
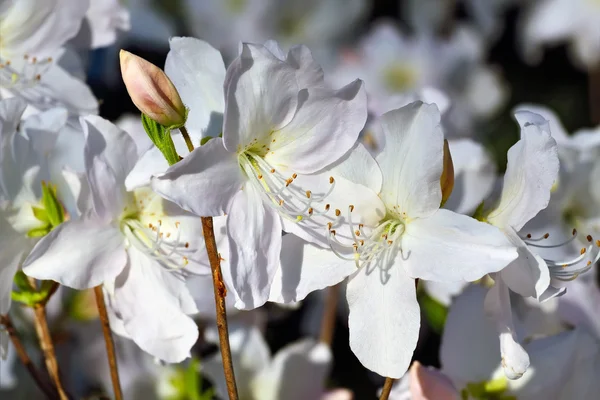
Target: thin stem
(110, 345)
(329, 315)
(43, 333)
(387, 388)
(186, 137)
(220, 292)
(44, 386)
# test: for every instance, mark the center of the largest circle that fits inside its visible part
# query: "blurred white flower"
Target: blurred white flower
(32, 54)
(577, 22)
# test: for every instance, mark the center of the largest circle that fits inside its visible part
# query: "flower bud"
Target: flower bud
(447, 178)
(152, 91)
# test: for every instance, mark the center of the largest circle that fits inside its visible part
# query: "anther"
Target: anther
(326, 207)
(310, 211)
(308, 193)
(390, 241)
(288, 182)
(259, 176)
(332, 232)
(589, 238)
(294, 175)
(351, 208)
(272, 170)
(7, 63)
(160, 222)
(34, 60)
(582, 251)
(598, 243)
(362, 242)
(331, 180)
(281, 202)
(529, 236)
(588, 263)
(546, 235)
(360, 226)
(357, 232)
(337, 212)
(329, 224)
(574, 231)
(187, 245)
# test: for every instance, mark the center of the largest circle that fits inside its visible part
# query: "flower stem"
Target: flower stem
(387, 388)
(186, 137)
(43, 333)
(220, 292)
(44, 386)
(110, 345)
(329, 315)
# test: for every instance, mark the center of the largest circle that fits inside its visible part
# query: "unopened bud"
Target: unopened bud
(152, 91)
(447, 178)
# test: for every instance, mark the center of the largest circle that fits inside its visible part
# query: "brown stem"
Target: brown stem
(387, 388)
(220, 292)
(186, 137)
(44, 386)
(110, 345)
(329, 315)
(43, 333)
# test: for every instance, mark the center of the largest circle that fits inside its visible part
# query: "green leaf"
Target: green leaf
(40, 214)
(39, 232)
(53, 208)
(21, 281)
(161, 137)
(205, 140)
(434, 311)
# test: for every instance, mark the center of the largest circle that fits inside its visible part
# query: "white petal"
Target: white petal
(198, 73)
(451, 247)
(325, 127)
(531, 171)
(297, 372)
(528, 275)
(153, 303)
(105, 19)
(579, 306)
(30, 27)
(384, 319)
(411, 161)
(110, 154)
(261, 96)
(309, 73)
(151, 163)
(80, 254)
(254, 232)
(515, 359)
(469, 351)
(474, 175)
(13, 247)
(305, 268)
(8, 356)
(205, 182)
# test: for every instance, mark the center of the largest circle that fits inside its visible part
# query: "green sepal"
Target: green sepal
(52, 207)
(39, 232)
(29, 295)
(479, 215)
(205, 140)
(434, 311)
(40, 214)
(161, 137)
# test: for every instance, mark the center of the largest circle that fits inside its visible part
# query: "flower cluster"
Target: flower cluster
(359, 174)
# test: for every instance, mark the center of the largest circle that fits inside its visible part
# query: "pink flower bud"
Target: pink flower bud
(427, 383)
(151, 90)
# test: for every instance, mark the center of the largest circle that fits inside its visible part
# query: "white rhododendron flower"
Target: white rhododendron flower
(406, 236)
(134, 243)
(281, 124)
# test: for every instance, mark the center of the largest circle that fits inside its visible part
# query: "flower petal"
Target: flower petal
(153, 303)
(205, 182)
(254, 232)
(110, 153)
(261, 96)
(297, 372)
(325, 127)
(13, 247)
(384, 319)
(411, 161)
(515, 359)
(198, 72)
(528, 275)
(427, 383)
(305, 268)
(450, 247)
(80, 254)
(531, 171)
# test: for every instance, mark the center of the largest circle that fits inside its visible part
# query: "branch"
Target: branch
(220, 292)
(110, 345)
(387, 388)
(329, 315)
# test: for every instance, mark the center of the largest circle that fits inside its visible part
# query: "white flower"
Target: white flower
(281, 126)
(403, 236)
(554, 21)
(136, 244)
(33, 35)
(396, 65)
(32, 151)
(296, 372)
